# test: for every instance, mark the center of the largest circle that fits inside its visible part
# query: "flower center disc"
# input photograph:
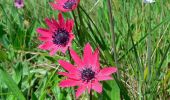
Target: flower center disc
(61, 37)
(87, 74)
(69, 4)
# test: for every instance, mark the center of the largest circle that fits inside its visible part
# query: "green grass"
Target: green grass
(27, 72)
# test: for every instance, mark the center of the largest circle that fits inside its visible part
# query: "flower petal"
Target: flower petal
(80, 90)
(102, 78)
(45, 39)
(97, 86)
(61, 20)
(75, 57)
(64, 49)
(46, 46)
(59, 5)
(95, 60)
(87, 54)
(69, 83)
(67, 66)
(43, 32)
(107, 71)
(89, 87)
(50, 24)
(55, 22)
(71, 36)
(54, 50)
(69, 25)
(70, 75)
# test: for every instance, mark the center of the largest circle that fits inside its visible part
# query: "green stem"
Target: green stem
(113, 34)
(90, 94)
(75, 20)
(149, 44)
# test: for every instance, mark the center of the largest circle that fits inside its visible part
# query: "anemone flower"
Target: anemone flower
(86, 73)
(58, 36)
(19, 3)
(65, 5)
(149, 1)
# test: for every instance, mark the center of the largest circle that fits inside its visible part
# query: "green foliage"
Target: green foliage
(29, 73)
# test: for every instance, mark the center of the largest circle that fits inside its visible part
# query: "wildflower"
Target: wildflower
(149, 1)
(86, 74)
(19, 3)
(59, 35)
(65, 5)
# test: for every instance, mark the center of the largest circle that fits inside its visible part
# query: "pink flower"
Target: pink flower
(19, 3)
(65, 5)
(86, 73)
(58, 36)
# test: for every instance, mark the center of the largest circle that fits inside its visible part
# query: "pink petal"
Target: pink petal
(89, 87)
(80, 90)
(69, 83)
(75, 57)
(61, 1)
(95, 60)
(46, 46)
(64, 49)
(61, 20)
(45, 38)
(102, 78)
(50, 24)
(58, 7)
(107, 71)
(67, 66)
(97, 86)
(55, 22)
(43, 32)
(69, 25)
(70, 40)
(71, 76)
(87, 54)
(53, 51)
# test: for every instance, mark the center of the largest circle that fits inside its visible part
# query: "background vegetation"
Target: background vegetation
(144, 67)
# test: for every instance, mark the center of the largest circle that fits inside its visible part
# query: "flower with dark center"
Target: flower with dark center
(86, 72)
(65, 5)
(59, 35)
(69, 4)
(19, 3)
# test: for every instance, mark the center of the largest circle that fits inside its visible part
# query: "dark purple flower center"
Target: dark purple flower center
(19, 2)
(69, 4)
(61, 37)
(87, 74)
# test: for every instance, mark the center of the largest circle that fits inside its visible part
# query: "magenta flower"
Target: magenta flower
(19, 3)
(65, 5)
(59, 35)
(86, 73)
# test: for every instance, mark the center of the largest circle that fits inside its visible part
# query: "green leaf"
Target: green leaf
(18, 72)
(3, 56)
(111, 91)
(4, 76)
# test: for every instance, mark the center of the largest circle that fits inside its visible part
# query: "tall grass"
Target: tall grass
(142, 45)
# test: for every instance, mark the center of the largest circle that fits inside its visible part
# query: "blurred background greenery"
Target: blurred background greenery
(29, 73)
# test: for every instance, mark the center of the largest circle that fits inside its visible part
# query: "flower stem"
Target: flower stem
(113, 34)
(90, 94)
(149, 45)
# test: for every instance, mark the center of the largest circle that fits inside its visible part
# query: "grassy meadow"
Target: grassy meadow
(136, 41)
